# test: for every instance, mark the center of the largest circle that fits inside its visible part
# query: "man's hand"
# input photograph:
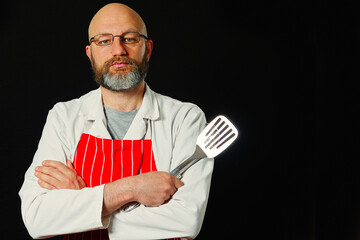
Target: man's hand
(56, 175)
(150, 189)
(155, 188)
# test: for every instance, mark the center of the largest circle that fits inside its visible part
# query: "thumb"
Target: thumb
(79, 179)
(81, 182)
(69, 164)
(178, 183)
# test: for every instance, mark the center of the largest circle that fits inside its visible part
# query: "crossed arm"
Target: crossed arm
(43, 209)
(150, 189)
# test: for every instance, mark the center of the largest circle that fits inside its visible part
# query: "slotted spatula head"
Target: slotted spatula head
(217, 136)
(214, 139)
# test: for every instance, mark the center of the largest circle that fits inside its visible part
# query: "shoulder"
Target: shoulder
(178, 115)
(67, 113)
(169, 105)
(71, 107)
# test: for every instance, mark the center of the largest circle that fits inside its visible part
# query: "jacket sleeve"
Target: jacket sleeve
(183, 215)
(48, 213)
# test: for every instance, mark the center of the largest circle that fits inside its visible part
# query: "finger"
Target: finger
(52, 163)
(69, 164)
(177, 182)
(81, 182)
(46, 179)
(50, 171)
(57, 165)
(62, 172)
(45, 185)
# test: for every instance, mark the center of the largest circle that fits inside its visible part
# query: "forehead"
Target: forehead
(116, 23)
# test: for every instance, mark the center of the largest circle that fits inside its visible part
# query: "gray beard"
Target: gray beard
(121, 82)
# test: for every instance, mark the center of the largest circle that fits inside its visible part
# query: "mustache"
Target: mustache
(123, 59)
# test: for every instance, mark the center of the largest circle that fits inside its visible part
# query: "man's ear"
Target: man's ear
(88, 52)
(149, 48)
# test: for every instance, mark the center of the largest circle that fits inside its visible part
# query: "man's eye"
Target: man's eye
(104, 42)
(129, 40)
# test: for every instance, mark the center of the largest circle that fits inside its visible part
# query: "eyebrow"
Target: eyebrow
(102, 33)
(128, 30)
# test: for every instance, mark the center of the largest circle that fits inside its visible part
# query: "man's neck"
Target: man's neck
(126, 100)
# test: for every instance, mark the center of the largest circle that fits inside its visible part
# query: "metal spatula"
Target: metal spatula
(214, 139)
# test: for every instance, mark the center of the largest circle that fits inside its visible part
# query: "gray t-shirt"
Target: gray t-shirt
(118, 122)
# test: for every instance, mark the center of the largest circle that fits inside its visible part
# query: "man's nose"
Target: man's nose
(117, 48)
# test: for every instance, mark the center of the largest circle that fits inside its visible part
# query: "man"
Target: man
(115, 146)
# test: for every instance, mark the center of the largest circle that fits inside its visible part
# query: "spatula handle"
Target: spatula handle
(185, 165)
(177, 172)
(130, 206)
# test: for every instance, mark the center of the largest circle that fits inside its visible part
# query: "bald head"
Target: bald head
(116, 18)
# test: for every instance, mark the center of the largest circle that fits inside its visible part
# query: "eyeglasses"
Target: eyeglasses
(126, 38)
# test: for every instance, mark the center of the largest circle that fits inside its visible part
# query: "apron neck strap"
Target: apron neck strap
(148, 129)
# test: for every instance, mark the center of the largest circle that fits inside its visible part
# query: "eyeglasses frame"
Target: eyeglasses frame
(120, 36)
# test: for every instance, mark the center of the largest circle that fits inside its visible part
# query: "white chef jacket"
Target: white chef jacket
(174, 129)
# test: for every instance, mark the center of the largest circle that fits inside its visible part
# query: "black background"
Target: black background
(284, 71)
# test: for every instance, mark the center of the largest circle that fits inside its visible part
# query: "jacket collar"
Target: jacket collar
(93, 106)
(149, 108)
(93, 111)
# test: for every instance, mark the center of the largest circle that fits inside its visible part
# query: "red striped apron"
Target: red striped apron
(99, 161)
